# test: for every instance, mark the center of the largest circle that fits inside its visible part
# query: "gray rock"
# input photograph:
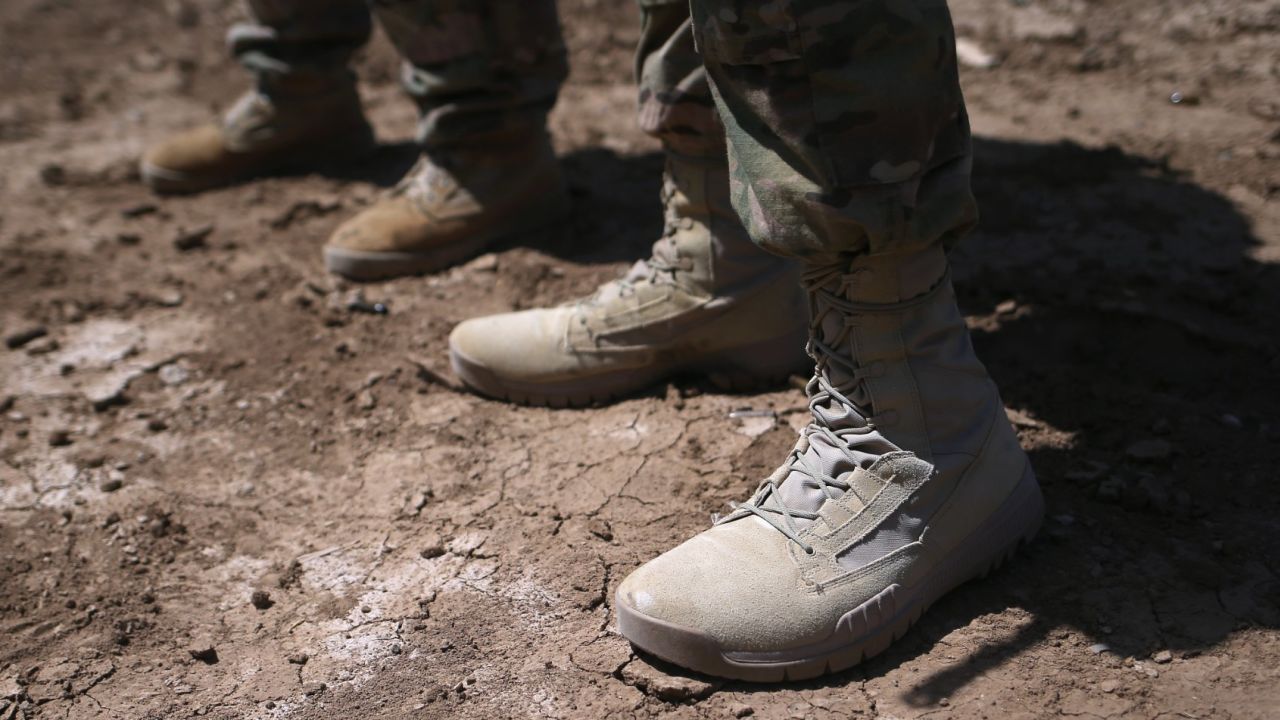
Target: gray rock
(173, 374)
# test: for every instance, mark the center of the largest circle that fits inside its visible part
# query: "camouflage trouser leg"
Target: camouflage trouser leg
(676, 107)
(301, 46)
(480, 70)
(846, 127)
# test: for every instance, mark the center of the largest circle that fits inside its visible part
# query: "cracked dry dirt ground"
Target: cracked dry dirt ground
(200, 425)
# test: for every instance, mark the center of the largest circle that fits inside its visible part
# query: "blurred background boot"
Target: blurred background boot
(707, 301)
(262, 134)
(455, 202)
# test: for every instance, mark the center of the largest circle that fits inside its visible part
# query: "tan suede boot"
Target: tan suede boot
(907, 482)
(261, 135)
(707, 301)
(453, 204)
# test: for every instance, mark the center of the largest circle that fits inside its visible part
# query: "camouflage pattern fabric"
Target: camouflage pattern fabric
(847, 131)
(675, 98)
(479, 70)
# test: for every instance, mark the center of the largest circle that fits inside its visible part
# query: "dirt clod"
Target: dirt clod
(670, 688)
(18, 338)
(261, 599)
(203, 651)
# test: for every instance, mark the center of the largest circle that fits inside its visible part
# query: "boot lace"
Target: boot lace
(856, 437)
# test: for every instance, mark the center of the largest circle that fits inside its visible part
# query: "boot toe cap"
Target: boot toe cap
(196, 157)
(392, 225)
(192, 149)
(521, 346)
(735, 585)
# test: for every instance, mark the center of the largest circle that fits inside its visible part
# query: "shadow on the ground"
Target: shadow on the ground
(1120, 311)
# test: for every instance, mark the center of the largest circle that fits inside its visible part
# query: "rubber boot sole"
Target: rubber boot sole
(745, 367)
(862, 632)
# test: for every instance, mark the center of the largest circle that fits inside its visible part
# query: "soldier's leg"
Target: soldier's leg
(484, 74)
(706, 300)
(302, 111)
(849, 149)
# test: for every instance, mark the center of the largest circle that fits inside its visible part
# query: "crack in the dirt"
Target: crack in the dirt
(621, 492)
(378, 557)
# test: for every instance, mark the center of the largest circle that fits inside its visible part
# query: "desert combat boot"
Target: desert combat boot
(706, 301)
(454, 203)
(263, 133)
(907, 482)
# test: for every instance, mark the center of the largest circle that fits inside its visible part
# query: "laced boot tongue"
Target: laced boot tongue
(841, 437)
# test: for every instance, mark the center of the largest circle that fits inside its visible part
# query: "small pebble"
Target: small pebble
(173, 374)
(135, 211)
(194, 238)
(1162, 657)
(170, 298)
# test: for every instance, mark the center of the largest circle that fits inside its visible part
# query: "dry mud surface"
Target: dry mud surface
(225, 494)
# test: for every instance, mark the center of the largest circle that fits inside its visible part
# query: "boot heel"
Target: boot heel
(1015, 523)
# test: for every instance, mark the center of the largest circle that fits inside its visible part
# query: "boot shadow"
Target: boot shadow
(617, 213)
(384, 167)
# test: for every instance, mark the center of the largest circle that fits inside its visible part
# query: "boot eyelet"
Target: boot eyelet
(808, 551)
